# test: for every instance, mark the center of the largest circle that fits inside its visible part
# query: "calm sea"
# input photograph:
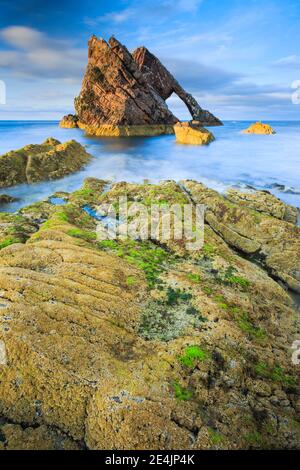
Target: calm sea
(265, 162)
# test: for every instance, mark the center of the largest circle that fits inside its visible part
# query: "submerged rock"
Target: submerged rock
(121, 95)
(142, 344)
(259, 128)
(41, 162)
(187, 133)
(6, 199)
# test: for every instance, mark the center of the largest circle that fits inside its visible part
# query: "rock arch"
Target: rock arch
(165, 84)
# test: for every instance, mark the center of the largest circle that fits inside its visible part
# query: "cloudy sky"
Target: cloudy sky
(239, 58)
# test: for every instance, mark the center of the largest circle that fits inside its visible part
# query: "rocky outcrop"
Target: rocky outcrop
(114, 91)
(273, 242)
(259, 128)
(118, 97)
(265, 202)
(41, 162)
(69, 121)
(187, 133)
(6, 199)
(165, 84)
(134, 344)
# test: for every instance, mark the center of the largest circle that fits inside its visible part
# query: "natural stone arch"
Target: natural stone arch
(165, 84)
(177, 107)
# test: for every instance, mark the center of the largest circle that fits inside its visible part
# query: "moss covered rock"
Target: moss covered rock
(50, 160)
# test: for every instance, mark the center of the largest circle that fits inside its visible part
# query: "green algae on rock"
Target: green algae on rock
(41, 162)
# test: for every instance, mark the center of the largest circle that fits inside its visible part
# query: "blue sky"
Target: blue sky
(238, 58)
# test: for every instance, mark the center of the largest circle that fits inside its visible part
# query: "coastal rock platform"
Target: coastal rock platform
(143, 344)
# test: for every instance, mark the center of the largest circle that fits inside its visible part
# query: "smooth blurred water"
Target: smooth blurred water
(234, 159)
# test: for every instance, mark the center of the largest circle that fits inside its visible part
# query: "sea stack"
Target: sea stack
(124, 94)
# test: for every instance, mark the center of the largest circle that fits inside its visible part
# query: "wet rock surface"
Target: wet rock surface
(131, 344)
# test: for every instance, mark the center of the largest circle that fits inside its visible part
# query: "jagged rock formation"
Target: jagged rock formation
(259, 128)
(114, 91)
(165, 84)
(138, 345)
(187, 133)
(119, 98)
(42, 162)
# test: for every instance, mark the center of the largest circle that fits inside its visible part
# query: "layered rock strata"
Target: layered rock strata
(122, 94)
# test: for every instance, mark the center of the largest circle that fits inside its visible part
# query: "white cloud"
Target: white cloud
(21, 37)
(116, 17)
(189, 5)
(292, 61)
(34, 54)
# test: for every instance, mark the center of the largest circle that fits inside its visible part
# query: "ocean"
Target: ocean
(270, 162)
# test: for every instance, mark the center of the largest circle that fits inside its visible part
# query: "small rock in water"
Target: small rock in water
(259, 128)
(6, 199)
(188, 133)
(42, 162)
